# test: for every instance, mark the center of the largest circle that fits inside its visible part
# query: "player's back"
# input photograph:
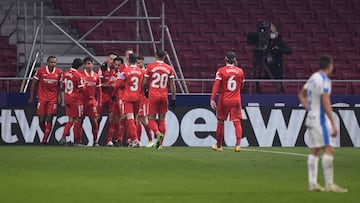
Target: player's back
(133, 84)
(159, 74)
(317, 85)
(73, 82)
(232, 79)
(91, 82)
(48, 83)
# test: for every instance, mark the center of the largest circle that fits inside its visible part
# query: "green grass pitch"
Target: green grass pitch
(175, 174)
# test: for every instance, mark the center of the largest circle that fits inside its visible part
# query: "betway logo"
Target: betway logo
(194, 122)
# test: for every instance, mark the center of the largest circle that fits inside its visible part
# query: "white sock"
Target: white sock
(327, 163)
(312, 168)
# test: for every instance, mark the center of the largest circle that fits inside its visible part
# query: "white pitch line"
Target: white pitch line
(275, 152)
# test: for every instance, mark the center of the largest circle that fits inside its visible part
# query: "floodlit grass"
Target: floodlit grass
(176, 174)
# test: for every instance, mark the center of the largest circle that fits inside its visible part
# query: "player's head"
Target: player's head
(127, 53)
(51, 61)
(111, 57)
(160, 55)
(326, 64)
(230, 57)
(132, 59)
(77, 63)
(89, 63)
(140, 62)
(118, 61)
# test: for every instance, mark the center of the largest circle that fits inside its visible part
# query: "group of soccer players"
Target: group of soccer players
(131, 95)
(134, 95)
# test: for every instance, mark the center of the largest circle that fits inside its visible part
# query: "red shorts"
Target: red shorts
(106, 106)
(90, 109)
(158, 105)
(226, 107)
(74, 110)
(144, 108)
(130, 107)
(46, 107)
(117, 110)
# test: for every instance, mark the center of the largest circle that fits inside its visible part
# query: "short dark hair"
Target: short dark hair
(88, 59)
(132, 58)
(77, 63)
(140, 58)
(119, 59)
(230, 57)
(50, 57)
(325, 61)
(160, 53)
(113, 53)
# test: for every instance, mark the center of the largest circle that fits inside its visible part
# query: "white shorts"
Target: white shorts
(318, 135)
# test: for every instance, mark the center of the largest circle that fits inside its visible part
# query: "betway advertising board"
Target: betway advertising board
(263, 126)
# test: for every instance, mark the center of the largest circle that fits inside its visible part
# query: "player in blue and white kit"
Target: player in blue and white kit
(315, 97)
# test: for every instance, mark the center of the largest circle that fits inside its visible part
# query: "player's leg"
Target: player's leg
(111, 124)
(91, 111)
(153, 111)
(312, 165)
(221, 114)
(41, 111)
(51, 111)
(129, 109)
(328, 169)
(121, 124)
(144, 121)
(235, 116)
(78, 109)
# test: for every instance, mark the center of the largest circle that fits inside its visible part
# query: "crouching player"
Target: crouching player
(91, 105)
(73, 85)
(229, 79)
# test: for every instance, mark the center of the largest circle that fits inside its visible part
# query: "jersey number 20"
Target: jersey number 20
(159, 80)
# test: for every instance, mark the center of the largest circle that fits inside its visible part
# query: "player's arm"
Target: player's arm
(303, 98)
(325, 99)
(214, 90)
(145, 86)
(32, 90)
(61, 87)
(99, 92)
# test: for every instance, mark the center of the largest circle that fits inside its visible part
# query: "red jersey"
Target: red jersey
(108, 78)
(48, 83)
(231, 79)
(159, 73)
(91, 82)
(132, 81)
(74, 84)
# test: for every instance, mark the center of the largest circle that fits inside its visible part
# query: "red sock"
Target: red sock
(47, 132)
(42, 127)
(138, 130)
(77, 130)
(153, 126)
(67, 128)
(162, 126)
(238, 131)
(121, 129)
(132, 129)
(219, 133)
(148, 132)
(95, 130)
(110, 132)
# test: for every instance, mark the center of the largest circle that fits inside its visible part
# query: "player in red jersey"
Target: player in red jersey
(73, 85)
(107, 74)
(49, 80)
(92, 88)
(130, 81)
(158, 75)
(121, 117)
(229, 79)
(143, 109)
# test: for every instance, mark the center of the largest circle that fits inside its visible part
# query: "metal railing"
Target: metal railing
(198, 86)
